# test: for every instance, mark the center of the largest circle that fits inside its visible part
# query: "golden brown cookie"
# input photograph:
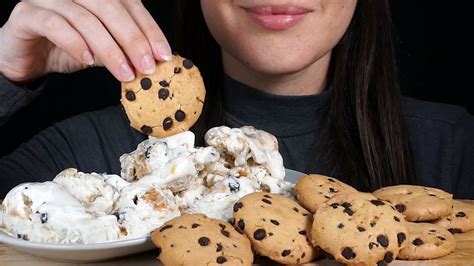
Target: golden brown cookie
(313, 190)
(359, 229)
(195, 239)
(277, 227)
(427, 241)
(461, 220)
(167, 102)
(418, 203)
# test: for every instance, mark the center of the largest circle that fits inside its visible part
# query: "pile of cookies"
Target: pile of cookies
(330, 219)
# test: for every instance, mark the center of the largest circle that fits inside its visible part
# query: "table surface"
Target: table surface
(463, 255)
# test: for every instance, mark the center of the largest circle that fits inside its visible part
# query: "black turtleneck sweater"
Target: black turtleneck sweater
(441, 137)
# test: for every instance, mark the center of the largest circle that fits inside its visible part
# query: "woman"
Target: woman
(320, 75)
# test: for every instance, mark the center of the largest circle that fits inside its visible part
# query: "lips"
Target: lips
(278, 17)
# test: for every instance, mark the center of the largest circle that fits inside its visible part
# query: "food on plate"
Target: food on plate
(359, 229)
(313, 190)
(427, 241)
(278, 227)
(167, 102)
(418, 203)
(461, 219)
(194, 239)
(162, 179)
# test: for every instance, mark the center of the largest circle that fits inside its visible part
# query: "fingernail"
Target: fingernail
(87, 58)
(126, 72)
(148, 64)
(164, 50)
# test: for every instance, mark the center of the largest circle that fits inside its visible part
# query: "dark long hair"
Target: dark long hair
(365, 141)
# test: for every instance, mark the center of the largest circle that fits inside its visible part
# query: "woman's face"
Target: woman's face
(276, 37)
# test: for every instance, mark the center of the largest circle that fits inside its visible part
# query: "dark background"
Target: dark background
(435, 53)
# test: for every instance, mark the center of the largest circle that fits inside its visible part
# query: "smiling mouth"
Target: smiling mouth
(277, 17)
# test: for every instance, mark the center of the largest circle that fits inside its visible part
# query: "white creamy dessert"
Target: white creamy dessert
(160, 180)
(45, 212)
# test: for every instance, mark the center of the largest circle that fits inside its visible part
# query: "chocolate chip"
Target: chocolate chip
(285, 252)
(238, 206)
(400, 208)
(182, 227)
(180, 116)
(222, 226)
(303, 255)
(158, 250)
(218, 247)
(326, 197)
(401, 237)
(177, 70)
(135, 200)
(188, 64)
(167, 123)
(146, 83)
(388, 257)
(349, 211)
(275, 222)
(296, 209)
(117, 215)
(270, 234)
(168, 226)
(346, 205)
(204, 241)
(373, 223)
(348, 253)
(172, 245)
(381, 263)
(221, 260)
(396, 219)
(302, 232)
(417, 242)
(433, 231)
(240, 231)
(266, 201)
(241, 224)
(331, 180)
(146, 130)
(377, 202)
(232, 221)
(225, 233)
(328, 256)
(333, 190)
(372, 244)
(267, 196)
(460, 214)
(361, 229)
(441, 238)
(259, 234)
(130, 95)
(431, 195)
(44, 218)
(163, 94)
(382, 240)
(334, 205)
(164, 83)
(195, 225)
(455, 231)
(340, 226)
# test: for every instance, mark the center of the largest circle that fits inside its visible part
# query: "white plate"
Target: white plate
(79, 253)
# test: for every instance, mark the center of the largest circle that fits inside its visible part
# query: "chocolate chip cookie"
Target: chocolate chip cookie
(427, 241)
(167, 102)
(357, 228)
(418, 203)
(313, 190)
(278, 227)
(195, 239)
(461, 220)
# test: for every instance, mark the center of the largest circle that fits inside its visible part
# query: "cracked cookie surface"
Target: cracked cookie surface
(167, 102)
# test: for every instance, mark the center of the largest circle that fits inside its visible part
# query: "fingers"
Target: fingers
(126, 32)
(149, 27)
(103, 45)
(36, 22)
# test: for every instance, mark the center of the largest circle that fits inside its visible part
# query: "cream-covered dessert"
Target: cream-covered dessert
(160, 180)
